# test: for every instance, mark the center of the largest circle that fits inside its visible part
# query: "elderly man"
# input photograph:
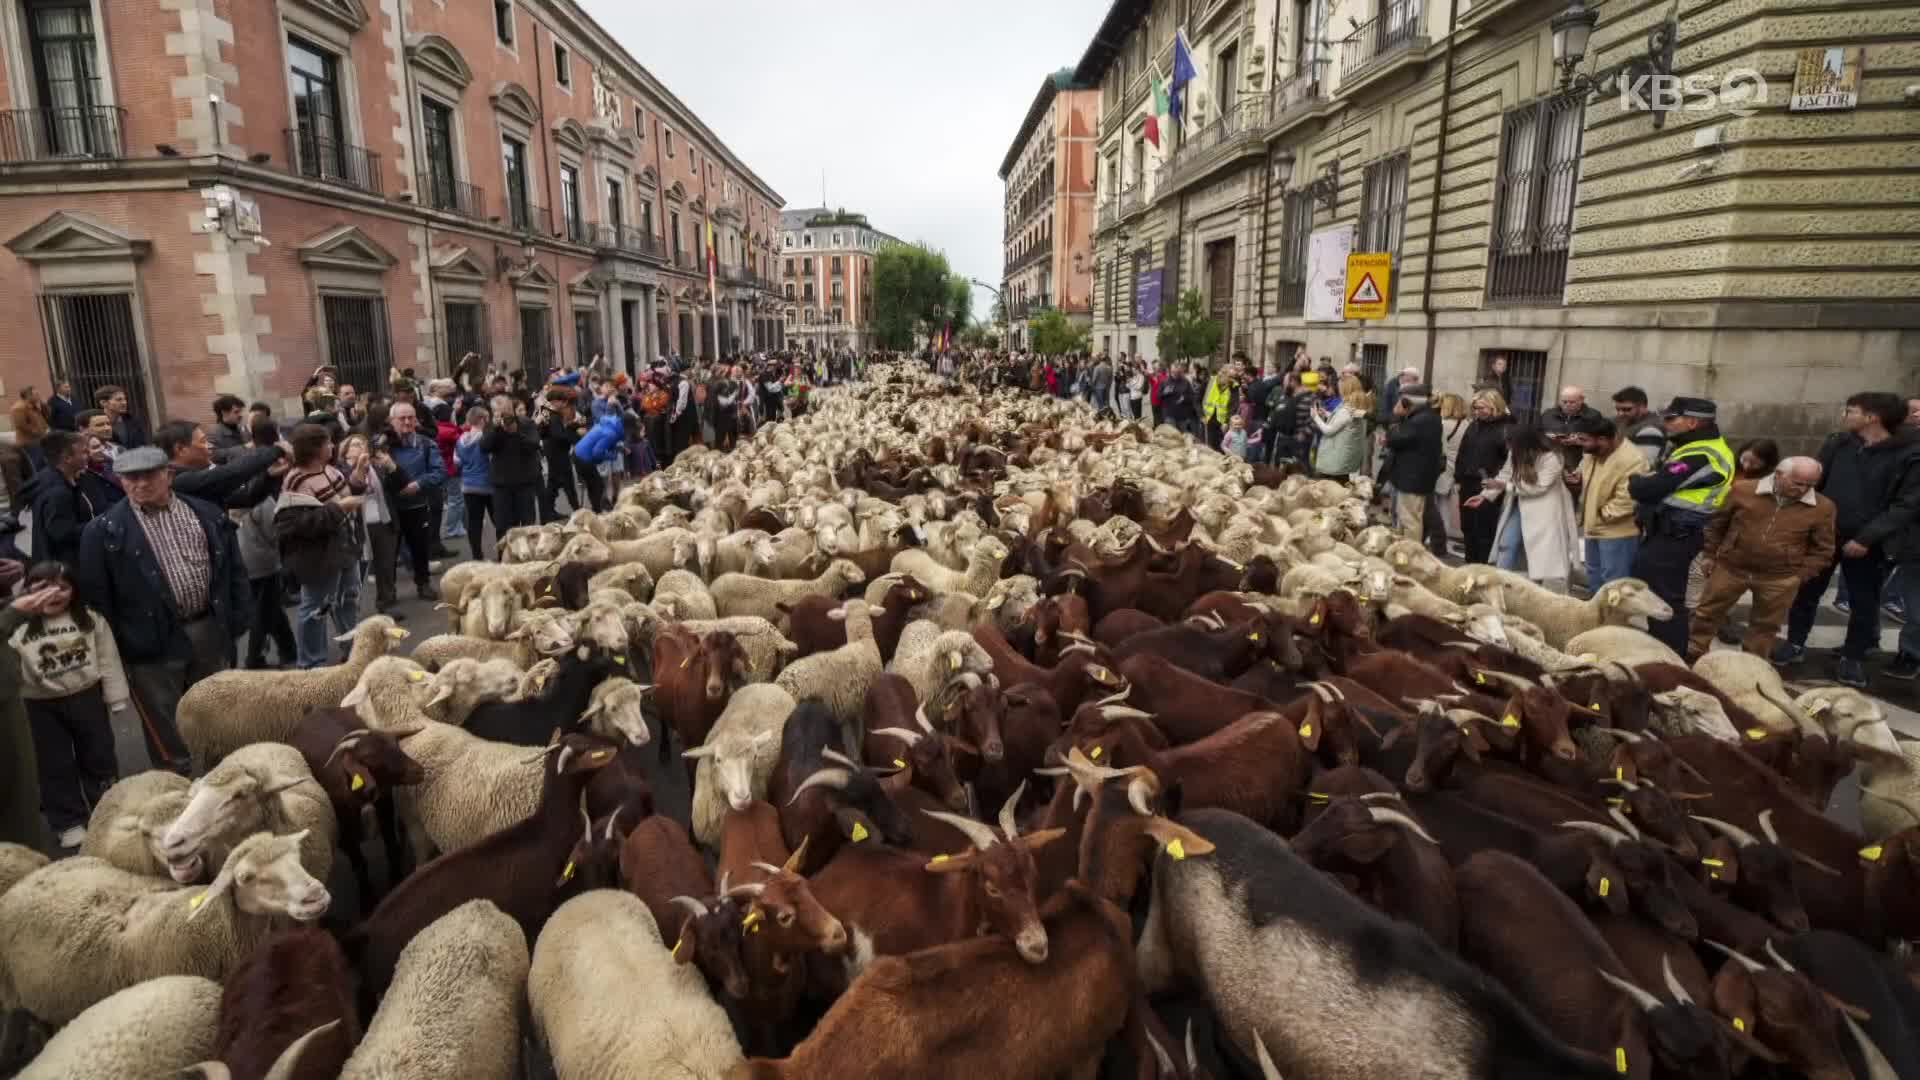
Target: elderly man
(1417, 452)
(1560, 425)
(409, 468)
(1770, 536)
(164, 571)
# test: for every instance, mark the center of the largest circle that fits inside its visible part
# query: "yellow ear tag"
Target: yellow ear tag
(1253, 636)
(549, 588)
(566, 874)
(358, 782)
(1739, 1024)
(1176, 849)
(1094, 753)
(1756, 734)
(194, 904)
(1616, 802)
(1317, 796)
(859, 832)
(676, 947)
(1619, 772)
(1306, 731)
(954, 662)
(1606, 886)
(1510, 721)
(941, 858)
(899, 763)
(416, 676)
(1620, 1060)
(1872, 854)
(1315, 621)
(752, 921)
(687, 661)
(621, 660)
(1399, 560)
(1480, 678)
(1716, 863)
(1595, 706)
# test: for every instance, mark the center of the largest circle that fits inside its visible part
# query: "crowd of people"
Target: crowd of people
(154, 555)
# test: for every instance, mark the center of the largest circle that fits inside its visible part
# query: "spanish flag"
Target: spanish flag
(712, 258)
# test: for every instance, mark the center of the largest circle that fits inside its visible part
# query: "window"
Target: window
(466, 329)
(676, 234)
(786, 241)
(806, 291)
(1227, 71)
(1140, 162)
(1533, 200)
(806, 240)
(1373, 364)
(836, 243)
(616, 206)
(442, 189)
(519, 212)
(789, 267)
(576, 229)
(586, 335)
(357, 343)
(646, 217)
(1294, 235)
(503, 25)
(93, 340)
(836, 264)
(806, 266)
(1383, 210)
(562, 66)
(667, 136)
(836, 316)
(1526, 373)
(314, 77)
(65, 70)
(536, 344)
(789, 290)
(693, 160)
(839, 290)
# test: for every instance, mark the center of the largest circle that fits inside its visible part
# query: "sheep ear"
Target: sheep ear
(344, 639)
(355, 697)
(200, 901)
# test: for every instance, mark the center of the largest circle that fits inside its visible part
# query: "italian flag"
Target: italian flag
(1158, 110)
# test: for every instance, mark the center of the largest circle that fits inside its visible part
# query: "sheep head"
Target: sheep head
(500, 599)
(229, 802)
(603, 627)
(1841, 711)
(265, 877)
(549, 632)
(390, 693)
(1619, 601)
(372, 638)
(730, 762)
(615, 711)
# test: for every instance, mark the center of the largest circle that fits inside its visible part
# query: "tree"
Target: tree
(915, 292)
(1053, 334)
(1189, 332)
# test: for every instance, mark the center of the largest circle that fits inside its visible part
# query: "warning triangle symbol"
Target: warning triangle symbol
(1366, 292)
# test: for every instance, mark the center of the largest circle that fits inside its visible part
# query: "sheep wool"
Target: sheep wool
(16, 862)
(680, 594)
(748, 732)
(600, 952)
(743, 594)
(472, 787)
(127, 821)
(453, 1009)
(928, 656)
(155, 1029)
(840, 677)
(263, 786)
(766, 647)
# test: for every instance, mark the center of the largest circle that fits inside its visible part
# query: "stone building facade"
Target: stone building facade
(1049, 210)
(1740, 248)
(207, 198)
(826, 278)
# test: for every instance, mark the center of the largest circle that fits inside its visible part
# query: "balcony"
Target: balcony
(452, 196)
(1134, 199)
(573, 230)
(1392, 38)
(627, 240)
(1042, 252)
(524, 217)
(322, 158)
(1238, 132)
(684, 259)
(64, 134)
(1297, 99)
(1031, 305)
(1109, 214)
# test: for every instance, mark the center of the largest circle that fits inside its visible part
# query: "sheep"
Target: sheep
(602, 626)
(927, 657)
(489, 611)
(127, 822)
(634, 579)
(263, 786)
(582, 548)
(539, 633)
(229, 709)
(1890, 792)
(1562, 617)
(733, 766)
(767, 648)
(392, 695)
(983, 568)
(79, 930)
(1460, 584)
(1623, 644)
(739, 594)
(463, 684)
(1843, 711)
(154, 1028)
(1753, 683)
(472, 787)
(531, 543)
(659, 551)
(600, 951)
(452, 1011)
(16, 862)
(840, 677)
(746, 551)
(1313, 580)
(680, 594)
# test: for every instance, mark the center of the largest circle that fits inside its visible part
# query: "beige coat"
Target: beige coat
(1606, 510)
(1548, 527)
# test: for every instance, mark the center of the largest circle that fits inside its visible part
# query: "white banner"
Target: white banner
(1327, 252)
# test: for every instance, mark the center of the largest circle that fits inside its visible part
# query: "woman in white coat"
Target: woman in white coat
(1538, 534)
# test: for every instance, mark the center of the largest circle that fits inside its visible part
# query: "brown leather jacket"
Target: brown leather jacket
(1757, 533)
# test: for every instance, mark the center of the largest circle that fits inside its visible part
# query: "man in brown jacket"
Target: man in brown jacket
(1770, 536)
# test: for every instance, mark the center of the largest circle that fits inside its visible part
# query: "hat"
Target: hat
(141, 459)
(1695, 407)
(1309, 379)
(1416, 392)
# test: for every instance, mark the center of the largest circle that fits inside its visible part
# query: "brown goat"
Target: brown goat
(693, 680)
(358, 768)
(293, 982)
(659, 865)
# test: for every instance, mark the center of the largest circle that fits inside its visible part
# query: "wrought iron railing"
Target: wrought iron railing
(321, 157)
(1393, 30)
(1109, 213)
(525, 217)
(628, 239)
(1133, 198)
(87, 131)
(1303, 92)
(438, 192)
(574, 230)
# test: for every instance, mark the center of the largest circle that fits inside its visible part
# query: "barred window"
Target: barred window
(1534, 197)
(1295, 233)
(1383, 211)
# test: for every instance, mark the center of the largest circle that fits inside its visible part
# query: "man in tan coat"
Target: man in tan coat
(1770, 536)
(1609, 534)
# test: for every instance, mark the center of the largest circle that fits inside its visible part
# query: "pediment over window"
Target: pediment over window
(458, 264)
(349, 14)
(439, 56)
(512, 100)
(698, 205)
(677, 191)
(649, 177)
(345, 247)
(571, 134)
(585, 283)
(71, 234)
(532, 276)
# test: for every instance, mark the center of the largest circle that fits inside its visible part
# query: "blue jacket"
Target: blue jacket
(476, 469)
(120, 578)
(419, 459)
(606, 441)
(60, 511)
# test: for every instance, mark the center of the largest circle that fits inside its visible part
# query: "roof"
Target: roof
(1121, 19)
(806, 217)
(1049, 86)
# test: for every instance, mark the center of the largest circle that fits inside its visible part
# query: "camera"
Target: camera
(377, 444)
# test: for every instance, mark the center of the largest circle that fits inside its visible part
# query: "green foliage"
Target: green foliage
(1053, 334)
(978, 336)
(1187, 332)
(915, 292)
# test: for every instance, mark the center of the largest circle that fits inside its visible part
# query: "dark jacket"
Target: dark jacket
(1649, 489)
(557, 437)
(1555, 423)
(513, 454)
(241, 484)
(316, 538)
(61, 413)
(129, 432)
(1875, 489)
(419, 461)
(228, 442)
(1418, 449)
(1483, 453)
(1177, 399)
(120, 578)
(60, 513)
(20, 820)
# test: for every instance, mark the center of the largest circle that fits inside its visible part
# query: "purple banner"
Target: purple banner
(1146, 298)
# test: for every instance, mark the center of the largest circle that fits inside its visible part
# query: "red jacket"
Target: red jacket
(448, 436)
(1154, 393)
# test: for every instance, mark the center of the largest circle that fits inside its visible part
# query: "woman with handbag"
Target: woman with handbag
(1443, 509)
(318, 541)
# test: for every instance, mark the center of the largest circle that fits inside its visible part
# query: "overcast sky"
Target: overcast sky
(906, 106)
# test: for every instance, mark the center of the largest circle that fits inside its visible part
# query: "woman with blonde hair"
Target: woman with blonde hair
(1340, 417)
(1481, 454)
(1443, 509)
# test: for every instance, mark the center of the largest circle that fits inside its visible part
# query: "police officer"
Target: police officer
(1676, 500)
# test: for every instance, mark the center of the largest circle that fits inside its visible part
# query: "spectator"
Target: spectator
(1769, 537)
(1482, 454)
(99, 475)
(1390, 397)
(560, 428)
(63, 499)
(1871, 471)
(61, 411)
(1500, 376)
(348, 407)
(1607, 516)
(1758, 458)
(248, 478)
(128, 431)
(1676, 501)
(70, 677)
(408, 466)
(449, 509)
(260, 554)
(1537, 529)
(1559, 426)
(1443, 509)
(1903, 550)
(1178, 401)
(1218, 403)
(1639, 426)
(512, 446)
(227, 436)
(476, 479)
(1303, 403)
(1233, 442)
(164, 571)
(30, 423)
(1100, 385)
(319, 506)
(1343, 434)
(1416, 457)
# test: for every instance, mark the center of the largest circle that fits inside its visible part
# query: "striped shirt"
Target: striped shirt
(181, 545)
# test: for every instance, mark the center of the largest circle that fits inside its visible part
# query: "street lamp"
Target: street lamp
(1573, 32)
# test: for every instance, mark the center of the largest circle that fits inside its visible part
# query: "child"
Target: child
(70, 675)
(1234, 442)
(260, 553)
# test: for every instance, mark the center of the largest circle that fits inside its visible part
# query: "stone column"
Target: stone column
(613, 327)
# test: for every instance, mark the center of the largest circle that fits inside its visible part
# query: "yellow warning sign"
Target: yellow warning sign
(1369, 281)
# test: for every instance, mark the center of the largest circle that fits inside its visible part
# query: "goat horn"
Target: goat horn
(1623, 733)
(1076, 647)
(1673, 981)
(1731, 831)
(1161, 1055)
(1193, 1059)
(981, 835)
(1322, 691)
(839, 758)
(920, 717)
(751, 889)
(911, 738)
(696, 907)
(1774, 955)
(1613, 836)
(1640, 997)
(1766, 826)
(1621, 782)
(1745, 961)
(833, 778)
(1814, 863)
(1510, 679)
(768, 868)
(1139, 791)
(1386, 816)
(1115, 697)
(1268, 1070)
(1625, 825)
(1007, 823)
(611, 819)
(1124, 712)
(586, 822)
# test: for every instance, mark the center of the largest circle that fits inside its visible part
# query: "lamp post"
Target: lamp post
(1006, 324)
(1573, 32)
(1113, 282)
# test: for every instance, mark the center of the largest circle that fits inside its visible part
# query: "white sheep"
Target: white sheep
(78, 931)
(472, 787)
(598, 953)
(766, 647)
(1564, 617)
(16, 862)
(733, 766)
(634, 579)
(584, 548)
(740, 594)
(983, 568)
(155, 1028)
(540, 633)
(1890, 791)
(265, 786)
(1843, 711)
(614, 710)
(680, 594)
(229, 709)
(840, 677)
(1471, 583)
(1754, 684)
(603, 626)
(392, 695)
(928, 656)
(745, 551)
(1314, 580)
(490, 609)
(462, 685)
(1623, 644)
(659, 551)
(452, 1011)
(128, 821)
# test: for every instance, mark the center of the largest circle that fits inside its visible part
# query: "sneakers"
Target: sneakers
(1842, 605)
(1895, 610)
(71, 839)
(1848, 672)
(1788, 653)
(1906, 669)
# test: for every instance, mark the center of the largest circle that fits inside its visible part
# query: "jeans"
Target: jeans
(1863, 577)
(73, 746)
(1662, 562)
(346, 603)
(1610, 560)
(1909, 582)
(311, 618)
(456, 517)
(475, 506)
(1511, 549)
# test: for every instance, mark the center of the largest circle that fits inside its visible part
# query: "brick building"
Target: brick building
(827, 278)
(1049, 177)
(206, 198)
